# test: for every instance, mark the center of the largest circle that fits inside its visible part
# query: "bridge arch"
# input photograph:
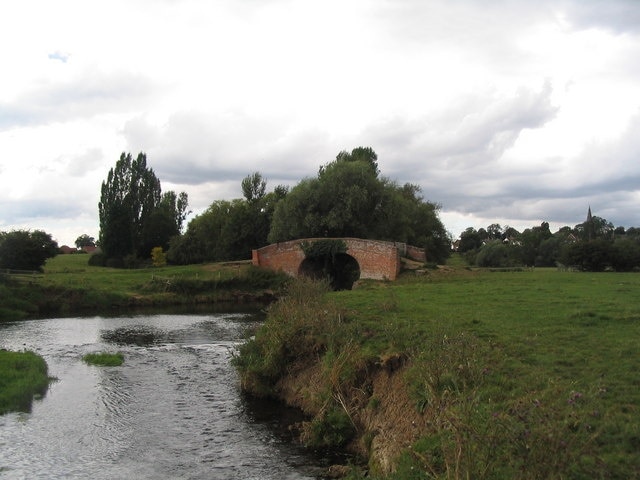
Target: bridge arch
(376, 259)
(343, 270)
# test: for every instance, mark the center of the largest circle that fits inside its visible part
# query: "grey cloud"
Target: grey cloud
(194, 148)
(94, 93)
(13, 212)
(458, 159)
(79, 165)
(471, 135)
(619, 16)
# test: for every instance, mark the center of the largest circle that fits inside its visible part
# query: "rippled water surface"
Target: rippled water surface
(173, 410)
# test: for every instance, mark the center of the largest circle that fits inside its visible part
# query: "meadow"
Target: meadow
(69, 285)
(514, 374)
(518, 374)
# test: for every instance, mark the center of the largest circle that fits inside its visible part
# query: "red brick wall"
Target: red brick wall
(417, 254)
(285, 256)
(377, 260)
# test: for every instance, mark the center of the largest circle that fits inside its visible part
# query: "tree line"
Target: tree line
(593, 245)
(347, 198)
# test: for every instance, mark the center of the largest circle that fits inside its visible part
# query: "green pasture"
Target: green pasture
(74, 271)
(579, 326)
(566, 342)
(521, 374)
(70, 285)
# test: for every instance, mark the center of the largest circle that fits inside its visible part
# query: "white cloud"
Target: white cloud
(510, 112)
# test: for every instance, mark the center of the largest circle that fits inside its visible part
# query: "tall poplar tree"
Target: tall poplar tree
(129, 203)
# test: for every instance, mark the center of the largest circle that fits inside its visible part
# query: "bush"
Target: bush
(498, 255)
(294, 327)
(333, 429)
(98, 260)
(24, 250)
(593, 256)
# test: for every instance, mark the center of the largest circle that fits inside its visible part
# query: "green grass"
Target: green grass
(74, 271)
(23, 376)
(533, 371)
(71, 285)
(104, 359)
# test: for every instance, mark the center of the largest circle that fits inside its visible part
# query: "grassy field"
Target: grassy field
(23, 375)
(74, 271)
(70, 285)
(529, 374)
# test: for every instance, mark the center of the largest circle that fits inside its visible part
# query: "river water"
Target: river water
(173, 410)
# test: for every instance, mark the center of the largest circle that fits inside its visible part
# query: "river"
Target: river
(173, 410)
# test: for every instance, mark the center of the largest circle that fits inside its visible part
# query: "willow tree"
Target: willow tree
(349, 198)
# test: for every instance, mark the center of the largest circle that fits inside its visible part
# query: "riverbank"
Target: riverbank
(461, 374)
(70, 286)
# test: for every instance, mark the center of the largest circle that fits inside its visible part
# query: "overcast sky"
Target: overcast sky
(506, 111)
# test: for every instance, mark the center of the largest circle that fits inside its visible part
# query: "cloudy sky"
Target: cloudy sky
(507, 111)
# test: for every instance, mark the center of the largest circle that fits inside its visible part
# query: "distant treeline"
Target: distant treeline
(593, 245)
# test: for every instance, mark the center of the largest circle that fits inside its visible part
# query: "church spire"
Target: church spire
(589, 226)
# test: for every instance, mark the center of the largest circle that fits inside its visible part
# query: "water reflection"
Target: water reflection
(173, 410)
(140, 335)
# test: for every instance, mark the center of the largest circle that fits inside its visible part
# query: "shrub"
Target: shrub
(158, 257)
(98, 260)
(333, 429)
(293, 328)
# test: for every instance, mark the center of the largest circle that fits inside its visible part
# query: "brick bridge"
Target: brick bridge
(375, 259)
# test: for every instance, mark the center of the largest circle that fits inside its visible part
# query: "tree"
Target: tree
(343, 201)
(497, 254)
(469, 240)
(360, 154)
(592, 256)
(85, 240)
(349, 199)
(594, 228)
(164, 223)
(531, 239)
(25, 250)
(134, 215)
(254, 187)
(494, 231)
(229, 230)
